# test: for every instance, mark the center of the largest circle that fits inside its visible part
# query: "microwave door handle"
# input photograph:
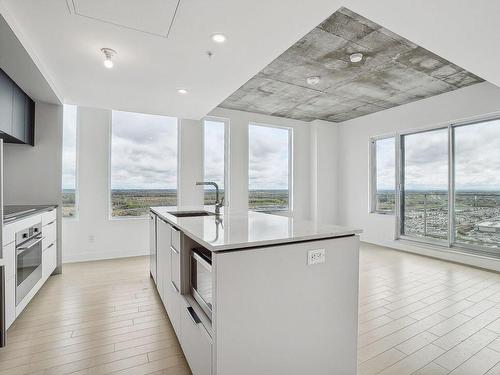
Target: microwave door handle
(24, 248)
(202, 261)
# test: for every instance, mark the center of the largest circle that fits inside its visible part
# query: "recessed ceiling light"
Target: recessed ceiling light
(182, 91)
(356, 57)
(314, 80)
(219, 38)
(108, 55)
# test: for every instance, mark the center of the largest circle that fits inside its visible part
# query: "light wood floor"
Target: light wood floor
(97, 318)
(417, 316)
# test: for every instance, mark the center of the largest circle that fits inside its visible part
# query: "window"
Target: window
(383, 155)
(424, 184)
(269, 166)
(477, 184)
(214, 158)
(143, 163)
(69, 152)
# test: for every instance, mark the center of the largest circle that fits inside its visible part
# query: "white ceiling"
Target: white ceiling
(66, 37)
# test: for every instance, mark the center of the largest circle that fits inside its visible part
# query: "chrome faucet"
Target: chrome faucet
(218, 204)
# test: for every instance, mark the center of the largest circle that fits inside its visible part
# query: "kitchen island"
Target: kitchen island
(253, 293)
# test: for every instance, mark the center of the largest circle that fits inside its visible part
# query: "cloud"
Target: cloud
(143, 151)
(268, 157)
(477, 159)
(214, 152)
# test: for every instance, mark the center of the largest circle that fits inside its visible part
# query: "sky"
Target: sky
(214, 152)
(69, 147)
(143, 151)
(477, 159)
(268, 157)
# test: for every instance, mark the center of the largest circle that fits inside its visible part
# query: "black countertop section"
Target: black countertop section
(14, 213)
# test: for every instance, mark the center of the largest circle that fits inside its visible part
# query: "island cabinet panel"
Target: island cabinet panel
(195, 341)
(152, 246)
(163, 261)
(274, 314)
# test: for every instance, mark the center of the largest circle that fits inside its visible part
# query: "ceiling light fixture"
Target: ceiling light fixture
(356, 57)
(219, 38)
(108, 55)
(314, 80)
(182, 91)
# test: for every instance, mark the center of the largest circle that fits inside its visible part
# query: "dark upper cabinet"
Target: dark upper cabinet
(6, 86)
(17, 113)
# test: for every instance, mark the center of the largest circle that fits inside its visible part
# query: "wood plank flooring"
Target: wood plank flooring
(416, 316)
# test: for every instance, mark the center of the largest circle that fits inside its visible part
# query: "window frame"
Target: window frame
(227, 130)
(290, 129)
(110, 147)
(76, 217)
(372, 199)
(451, 243)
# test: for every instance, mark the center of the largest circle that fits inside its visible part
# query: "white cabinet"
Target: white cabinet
(49, 260)
(195, 341)
(152, 245)
(10, 301)
(162, 257)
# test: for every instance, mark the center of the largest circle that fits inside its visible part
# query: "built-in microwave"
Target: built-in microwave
(201, 278)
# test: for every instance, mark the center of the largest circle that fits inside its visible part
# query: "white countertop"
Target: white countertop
(235, 230)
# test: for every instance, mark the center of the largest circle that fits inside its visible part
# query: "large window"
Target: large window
(383, 174)
(69, 175)
(269, 171)
(424, 184)
(450, 186)
(214, 158)
(143, 163)
(477, 183)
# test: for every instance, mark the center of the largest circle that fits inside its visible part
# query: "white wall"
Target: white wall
(32, 175)
(354, 135)
(92, 235)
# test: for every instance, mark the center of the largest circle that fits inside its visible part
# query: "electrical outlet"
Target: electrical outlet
(91, 238)
(316, 256)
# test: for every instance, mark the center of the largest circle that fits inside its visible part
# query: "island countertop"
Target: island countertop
(238, 230)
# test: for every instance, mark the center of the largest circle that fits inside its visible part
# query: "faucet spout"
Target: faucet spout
(218, 204)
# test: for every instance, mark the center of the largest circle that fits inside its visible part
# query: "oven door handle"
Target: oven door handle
(21, 250)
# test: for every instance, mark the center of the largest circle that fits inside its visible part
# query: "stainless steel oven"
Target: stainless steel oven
(201, 278)
(28, 260)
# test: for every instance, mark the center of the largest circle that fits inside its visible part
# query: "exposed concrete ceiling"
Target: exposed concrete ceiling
(393, 71)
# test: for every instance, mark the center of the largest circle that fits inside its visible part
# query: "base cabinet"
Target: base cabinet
(195, 341)
(49, 261)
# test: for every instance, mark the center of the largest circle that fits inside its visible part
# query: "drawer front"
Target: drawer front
(48, 217)
(195, 341)
(49, 233)
(172, 305)
(176, 239)
(175, 270)
(49, 261)
(9, 254)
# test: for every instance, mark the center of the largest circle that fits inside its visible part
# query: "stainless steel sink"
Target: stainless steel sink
(190, 213)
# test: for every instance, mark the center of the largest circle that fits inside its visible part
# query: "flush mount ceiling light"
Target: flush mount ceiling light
(356, 57)
(108, 55)
(314, 80)
(182, 91)
(218, 38)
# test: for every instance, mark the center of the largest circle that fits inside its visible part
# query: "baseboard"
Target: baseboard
(437, 252)
(70, 257)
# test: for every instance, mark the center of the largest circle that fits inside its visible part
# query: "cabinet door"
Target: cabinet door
(152, 245)
(10, 301)
(18, 113)
(162, 259)
(195, 341)
(5, 103)
(29, 120)
(49, 261)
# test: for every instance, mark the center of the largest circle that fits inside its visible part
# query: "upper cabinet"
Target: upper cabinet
(17, 113)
